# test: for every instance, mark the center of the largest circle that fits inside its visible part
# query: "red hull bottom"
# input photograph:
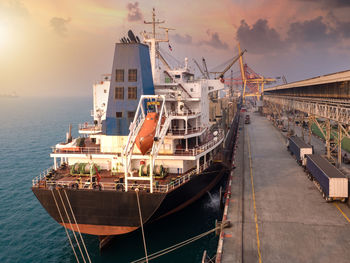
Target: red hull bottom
(99, 230)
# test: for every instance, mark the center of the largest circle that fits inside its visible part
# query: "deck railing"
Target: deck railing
(41, 181)
(74, 149)
(199, 149)
(184, 113)
(173, 131)
(90, 127)
(179, 152)
(41, 176)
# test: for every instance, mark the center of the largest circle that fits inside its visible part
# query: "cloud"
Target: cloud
(215, 41)
(186, 39)
(330, 3)
(259, 38)
(343, 28)
(13, 8)
(134, 13)
(59, 25)
(313, 31)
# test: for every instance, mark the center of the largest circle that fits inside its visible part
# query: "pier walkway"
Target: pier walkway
(277, 214)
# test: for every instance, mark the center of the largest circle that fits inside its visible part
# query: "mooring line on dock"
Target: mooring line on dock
(341, 211)
(254, 203)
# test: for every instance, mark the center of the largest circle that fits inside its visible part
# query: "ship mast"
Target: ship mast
(153, 42)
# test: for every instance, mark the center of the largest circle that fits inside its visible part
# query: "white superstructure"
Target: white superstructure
(186, 141)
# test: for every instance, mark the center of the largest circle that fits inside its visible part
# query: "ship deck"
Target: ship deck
(63, 177)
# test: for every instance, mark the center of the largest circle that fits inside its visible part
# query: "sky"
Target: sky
(60, 48)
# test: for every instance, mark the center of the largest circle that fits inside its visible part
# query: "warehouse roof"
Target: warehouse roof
(329, 78)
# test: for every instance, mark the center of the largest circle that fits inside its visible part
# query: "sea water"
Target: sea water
(28, 128)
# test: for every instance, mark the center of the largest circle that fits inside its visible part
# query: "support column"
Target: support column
(126, 173)
(302, 127)
(151, 173)
(186, 126)
(186, 145)
(328, 138)
(339, 144)
(198, 165)
(55, 162)
(293, 122)
(310, 129)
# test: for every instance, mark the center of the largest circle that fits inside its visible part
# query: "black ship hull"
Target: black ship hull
(105, 213)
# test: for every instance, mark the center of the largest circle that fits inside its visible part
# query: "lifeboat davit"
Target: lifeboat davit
(145, 138)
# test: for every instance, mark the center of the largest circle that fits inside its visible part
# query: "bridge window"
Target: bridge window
(119, 75)
(132, 93)
(119, 114)
(132, 75)
(131, 114)
(119, 93)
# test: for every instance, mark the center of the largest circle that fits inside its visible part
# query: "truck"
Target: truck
(299, 149)
(329, 180)
(247, 119)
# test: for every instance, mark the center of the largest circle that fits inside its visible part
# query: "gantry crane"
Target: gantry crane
(252, 80)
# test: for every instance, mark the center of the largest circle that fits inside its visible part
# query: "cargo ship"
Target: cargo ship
(158, 136)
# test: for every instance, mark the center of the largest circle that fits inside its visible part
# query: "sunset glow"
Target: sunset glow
(4, 36)
(69, 46)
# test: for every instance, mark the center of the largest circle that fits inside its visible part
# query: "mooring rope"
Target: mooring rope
(181, 244)
(143, 233)
(70, 223)
(75, 221)
(70, 241)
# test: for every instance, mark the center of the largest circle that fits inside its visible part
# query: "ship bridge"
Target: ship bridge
(323, 101)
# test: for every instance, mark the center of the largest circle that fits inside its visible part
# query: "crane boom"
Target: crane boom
(233, 62)
(163, 60)
(205, 68)
(200, 69)
(241, 63)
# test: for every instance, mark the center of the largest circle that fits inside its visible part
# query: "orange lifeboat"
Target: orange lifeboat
(145, 138)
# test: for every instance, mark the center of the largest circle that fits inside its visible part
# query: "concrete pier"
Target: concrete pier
(277, 214)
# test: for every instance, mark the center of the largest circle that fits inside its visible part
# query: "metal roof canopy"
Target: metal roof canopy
(329, 78)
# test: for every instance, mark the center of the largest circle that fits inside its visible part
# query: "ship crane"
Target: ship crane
(205, 68)
(234, 60)
(200, 69)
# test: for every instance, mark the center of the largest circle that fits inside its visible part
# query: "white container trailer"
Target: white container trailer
(329, 180)
(299, 149)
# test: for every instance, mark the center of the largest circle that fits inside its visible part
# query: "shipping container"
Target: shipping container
(299, 149)
(329, 180)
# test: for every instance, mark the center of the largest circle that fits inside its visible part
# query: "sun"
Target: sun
(4, 35)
